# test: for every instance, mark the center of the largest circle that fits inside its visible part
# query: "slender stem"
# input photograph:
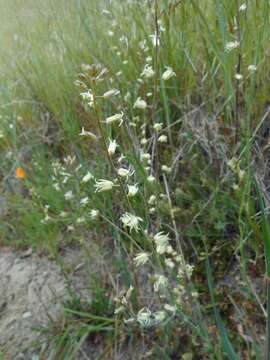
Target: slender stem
(176, 232)
(267, 352)
(238, 70)
(155, 105)
(103, 139)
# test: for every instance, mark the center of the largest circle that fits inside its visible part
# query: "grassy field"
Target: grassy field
(139, 131)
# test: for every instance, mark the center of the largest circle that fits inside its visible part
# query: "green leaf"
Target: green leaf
(226, 343)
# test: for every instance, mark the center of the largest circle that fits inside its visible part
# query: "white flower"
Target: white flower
(105, 12)
(127, 96)
(166, 169)
(115, 118)
(112, 92)
(238, 76)
(168, 74)
(122, 157)
(70, 228)
(110, 33)
(112, 147)
(119, 310)
(231, 45)
(143, 141)
(148, 59)
(103, 185)
(152, 199)
(131, 221)
(241, 174)
(81, 220)
(87, 133)
(195, 294)
(243, 7)
(162, 241)
(46, 219)
(252, 68)
(159, 316)
(132, 190)
(56, 186)
(158, 126)
(148, 72)
(123, 172)
(179, 259)
(68, 195)
(155, 39)
(169, 263)
(88, 176)
(232, 163)
(145, 156)
(162, 139)
(142, 44)
(144, 318)
(94, 214)
(161, 283)
(140, 104)
(179, 291)
(189, 270)
(151, 179)
(170, 308)
(84, 201)
(129, 292)
(141, 259)
(88, 96)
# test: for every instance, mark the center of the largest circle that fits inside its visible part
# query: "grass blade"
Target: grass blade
(226, 343)
(266, 238)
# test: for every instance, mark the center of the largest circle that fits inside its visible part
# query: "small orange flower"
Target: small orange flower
(20, 173)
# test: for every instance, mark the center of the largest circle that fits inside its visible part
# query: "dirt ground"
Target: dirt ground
(31, 291)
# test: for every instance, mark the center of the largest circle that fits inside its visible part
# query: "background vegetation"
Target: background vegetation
(203, 295)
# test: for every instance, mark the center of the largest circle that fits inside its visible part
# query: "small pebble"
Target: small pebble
(26, 315)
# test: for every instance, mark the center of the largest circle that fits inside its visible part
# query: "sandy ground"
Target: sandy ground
(31, 291)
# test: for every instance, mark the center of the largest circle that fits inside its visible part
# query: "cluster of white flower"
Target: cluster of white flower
(162, 243)
(74, 191)
(47, 217)
(131, 221)
(147, 319)
(126, 179)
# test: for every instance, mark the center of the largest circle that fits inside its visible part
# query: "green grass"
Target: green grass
(217, 141)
